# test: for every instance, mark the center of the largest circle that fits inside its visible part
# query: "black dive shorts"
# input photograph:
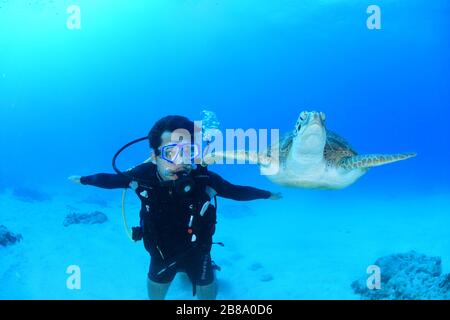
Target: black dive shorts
(198, 267)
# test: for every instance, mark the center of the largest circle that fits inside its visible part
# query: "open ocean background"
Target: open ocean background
(70, 98)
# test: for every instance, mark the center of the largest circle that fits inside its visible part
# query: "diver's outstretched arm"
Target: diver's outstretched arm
(75, 179)
(103, 180)
(228, 190)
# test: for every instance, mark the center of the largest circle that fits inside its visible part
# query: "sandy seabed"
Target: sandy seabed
(309, 245)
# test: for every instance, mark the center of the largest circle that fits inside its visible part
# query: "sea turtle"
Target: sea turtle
(311, 156)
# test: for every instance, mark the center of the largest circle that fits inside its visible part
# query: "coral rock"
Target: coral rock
(8, 238)
(407, 276)
(95, 217)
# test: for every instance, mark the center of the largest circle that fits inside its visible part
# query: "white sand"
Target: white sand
(309, 245)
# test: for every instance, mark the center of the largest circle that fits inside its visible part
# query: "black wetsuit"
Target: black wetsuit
(176, 231)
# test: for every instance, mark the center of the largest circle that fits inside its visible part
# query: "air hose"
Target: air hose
(124, 193)
(124, 216)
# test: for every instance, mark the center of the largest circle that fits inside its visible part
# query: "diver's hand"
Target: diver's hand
(75, 179)
(276, 196)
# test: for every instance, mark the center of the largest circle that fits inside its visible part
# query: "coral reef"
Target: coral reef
(407, 276)
(8, 238)
(95, 217)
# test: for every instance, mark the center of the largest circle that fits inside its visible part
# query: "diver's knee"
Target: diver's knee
(157, 291)
(207, 292)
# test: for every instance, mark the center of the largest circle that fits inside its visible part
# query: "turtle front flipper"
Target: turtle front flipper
(372, 160)
(240, 155)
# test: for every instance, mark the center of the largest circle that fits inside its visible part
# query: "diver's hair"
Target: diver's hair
(168, 123)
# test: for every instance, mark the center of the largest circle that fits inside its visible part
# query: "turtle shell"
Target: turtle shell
(336, 148)
(284, 146)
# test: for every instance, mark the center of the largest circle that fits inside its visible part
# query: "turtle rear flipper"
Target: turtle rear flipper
(372, 160)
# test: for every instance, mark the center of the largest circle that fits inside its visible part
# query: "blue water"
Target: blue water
(70, 98)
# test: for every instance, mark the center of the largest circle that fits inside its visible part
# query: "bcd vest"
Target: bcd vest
(172, 224)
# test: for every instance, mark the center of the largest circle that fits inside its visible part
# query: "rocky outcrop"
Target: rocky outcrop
(8, 238)
(95, 217)
(407, 276)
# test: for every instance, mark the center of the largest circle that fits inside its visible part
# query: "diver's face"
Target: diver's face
(168, 170)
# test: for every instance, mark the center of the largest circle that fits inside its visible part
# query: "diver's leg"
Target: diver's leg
(158, 282)
(207, 292)
(206, 284)
(157, 291)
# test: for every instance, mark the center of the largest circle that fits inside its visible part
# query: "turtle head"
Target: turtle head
(310, 135)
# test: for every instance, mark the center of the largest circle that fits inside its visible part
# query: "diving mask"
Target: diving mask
(178, 153)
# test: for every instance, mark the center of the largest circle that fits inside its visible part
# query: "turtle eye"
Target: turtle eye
(303, 116)
(322, 116)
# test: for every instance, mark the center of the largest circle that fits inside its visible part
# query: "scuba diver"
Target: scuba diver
(178, 207)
